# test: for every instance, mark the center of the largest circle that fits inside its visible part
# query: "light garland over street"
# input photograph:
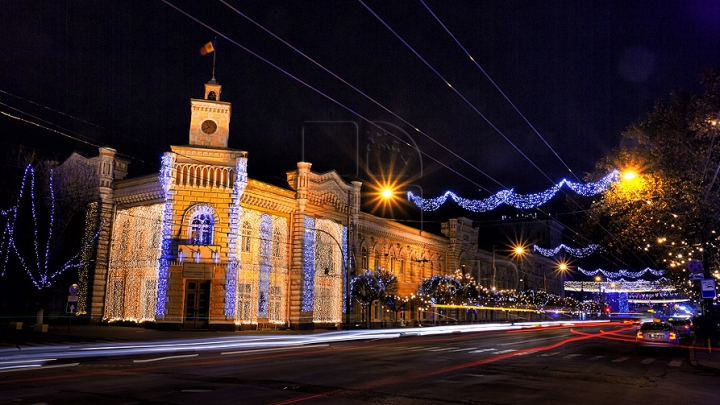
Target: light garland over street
(509, 197)
(622, 273)
(579, 253)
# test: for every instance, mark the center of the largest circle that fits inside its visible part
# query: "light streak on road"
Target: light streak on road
(10, 358)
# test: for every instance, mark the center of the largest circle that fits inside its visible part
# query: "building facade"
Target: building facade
(201, 245)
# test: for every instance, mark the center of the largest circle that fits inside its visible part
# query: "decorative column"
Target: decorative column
(167, 182)
(234, 256)
(97, 283)
(299, 316)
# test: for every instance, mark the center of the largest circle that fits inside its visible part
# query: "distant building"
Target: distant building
(202, 245)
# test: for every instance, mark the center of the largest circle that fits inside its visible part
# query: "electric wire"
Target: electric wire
(498, 88)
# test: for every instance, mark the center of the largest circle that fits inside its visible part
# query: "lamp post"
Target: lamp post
(598, 280)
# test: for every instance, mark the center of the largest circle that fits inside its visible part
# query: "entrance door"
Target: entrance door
(197, 293)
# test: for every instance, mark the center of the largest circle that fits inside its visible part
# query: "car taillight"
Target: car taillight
(673, 336)
(639, 335)
(687, 327)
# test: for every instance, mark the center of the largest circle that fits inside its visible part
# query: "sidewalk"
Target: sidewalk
(703, 358)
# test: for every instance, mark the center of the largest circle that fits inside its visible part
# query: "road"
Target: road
(587, 364)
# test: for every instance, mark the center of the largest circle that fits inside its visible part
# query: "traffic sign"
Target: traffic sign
(707, 287)
(696, 276)
(71, 307)
(695, 266)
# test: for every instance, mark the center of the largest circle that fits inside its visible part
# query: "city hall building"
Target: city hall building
(200, 245)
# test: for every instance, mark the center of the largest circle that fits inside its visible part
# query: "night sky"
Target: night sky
(121, 73)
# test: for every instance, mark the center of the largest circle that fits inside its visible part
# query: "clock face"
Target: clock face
(208, 127)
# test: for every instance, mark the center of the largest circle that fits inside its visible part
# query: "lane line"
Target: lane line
(274, 349)
(182, 356)
(619, 360)
(647, 361)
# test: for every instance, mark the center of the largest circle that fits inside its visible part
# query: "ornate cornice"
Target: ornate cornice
(138, 190)
(263, 195)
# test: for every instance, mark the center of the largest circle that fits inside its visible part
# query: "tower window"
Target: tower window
(212, 96)
(202, 226)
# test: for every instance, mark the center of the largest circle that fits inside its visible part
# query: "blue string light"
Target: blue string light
(579, 253)
(167, 164)
(308, 294)
(509, 197)
(42, 276)
(235, 218)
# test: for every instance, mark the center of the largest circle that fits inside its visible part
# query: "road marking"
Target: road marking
(464, 349)
(675, 363)
(165, 358)
(36, 367)
(441, 349)
(415, 348)
(572, 356)
(505, 351)
(482, 350)
(275, 349)
(647, 361)
(596, 358)
(549, 354)
(619, 360)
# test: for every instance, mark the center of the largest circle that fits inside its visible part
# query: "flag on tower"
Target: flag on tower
(208, 48)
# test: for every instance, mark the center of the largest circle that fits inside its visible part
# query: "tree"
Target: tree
(440, 289)
(396, 304)
(670, 212)
(371, 286)
(44, 229)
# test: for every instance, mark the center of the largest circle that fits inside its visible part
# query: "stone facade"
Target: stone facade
(200, 245)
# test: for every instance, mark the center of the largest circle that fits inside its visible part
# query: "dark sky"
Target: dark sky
(579, 71)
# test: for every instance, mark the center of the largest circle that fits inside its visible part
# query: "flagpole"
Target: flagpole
(214, 55)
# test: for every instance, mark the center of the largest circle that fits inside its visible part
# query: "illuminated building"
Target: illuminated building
(202, 245)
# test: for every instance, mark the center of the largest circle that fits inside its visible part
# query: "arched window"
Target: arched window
(202, 226)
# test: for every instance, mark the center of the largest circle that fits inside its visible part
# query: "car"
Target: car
(683, 327)
(657, 334)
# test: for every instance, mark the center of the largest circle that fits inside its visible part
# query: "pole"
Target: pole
(347, 266)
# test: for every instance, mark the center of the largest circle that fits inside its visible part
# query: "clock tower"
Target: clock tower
(210, 118)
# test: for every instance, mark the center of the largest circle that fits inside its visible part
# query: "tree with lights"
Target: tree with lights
(396, 304)
(669, 212)
(372, 286)
(44, 230)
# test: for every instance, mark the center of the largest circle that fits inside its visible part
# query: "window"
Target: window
(364, 259)
(202, 225)
(201, 229)
(246, 233)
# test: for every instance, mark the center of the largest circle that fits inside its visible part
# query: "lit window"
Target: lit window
(202, 226)
(246, 233)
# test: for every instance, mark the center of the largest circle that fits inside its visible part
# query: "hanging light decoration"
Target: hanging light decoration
(622, 273)
(579, 253)
(509, 197)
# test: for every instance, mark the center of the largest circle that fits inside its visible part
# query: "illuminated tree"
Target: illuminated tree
(396, 303)
(371, 286)
(670, 212)
(46, 230)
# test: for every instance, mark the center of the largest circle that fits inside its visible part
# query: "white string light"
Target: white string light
(509, 197)
(579, 253)
(622, 273)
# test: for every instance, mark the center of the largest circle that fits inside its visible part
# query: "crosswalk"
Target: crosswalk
(496, 351)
